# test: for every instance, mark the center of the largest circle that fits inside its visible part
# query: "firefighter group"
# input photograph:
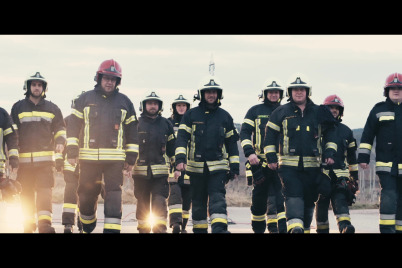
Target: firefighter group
(300, 157)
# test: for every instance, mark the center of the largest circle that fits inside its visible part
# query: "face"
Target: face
(211, 96)
(181, 108)
(36, 88)
(299, 95)
(395, 94)
(273, 95)
(334, 110)
(152, 107)
(108, 83)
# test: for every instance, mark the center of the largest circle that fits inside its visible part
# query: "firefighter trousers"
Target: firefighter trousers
(300, 189)
(267, 205)
(179, 204)
(339, 203)
(37, 180)
(151, 193)
(70, 206)
(390, 203)
(208, 196)
(89, 188)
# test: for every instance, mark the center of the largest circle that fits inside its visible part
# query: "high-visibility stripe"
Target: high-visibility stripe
(250, 122)
(7, 131)
(218, 217)
(201, 224)
(331, 145)
(385, 114)
(131, 147)
(352, 144)
(180, 150)
(130, 119)
(185, 127)
(273, 126)
(87, 219)
(72, 141)
(269, 149)
(383, 166)
(281, 215)
(386, 118)
(36, 156)
(44, 215)
(77, 113)
(246, 142)
(234, 159)
(35, 116)
(61, 133)
(229, 134)
(112, 226)
(13, 152)
(258, 217)
(171, 137)
(353, 167)
(365, 146)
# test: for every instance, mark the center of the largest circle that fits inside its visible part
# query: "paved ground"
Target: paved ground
(365, 221)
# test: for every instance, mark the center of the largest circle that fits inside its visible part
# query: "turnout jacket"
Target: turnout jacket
(103, 128)
(252, 131)
(40, 127)
(156, 146)
(300, 135)
(384, 123)
(8, 136)
(345, 160)
(207, 136)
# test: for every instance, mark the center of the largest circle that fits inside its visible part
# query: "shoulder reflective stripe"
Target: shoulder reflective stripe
(365, 146)
(61, 133)
(353, 167)
(8, 131)
(273, 126)
(132, 148)
(248, 121)
(185, 127)
(246, 142)
(385, 114)
(331, 145)
(77, 113)
(269, 149)
(130, 119)
(234, 159)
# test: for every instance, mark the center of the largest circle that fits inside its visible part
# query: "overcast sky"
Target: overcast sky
(352, 66)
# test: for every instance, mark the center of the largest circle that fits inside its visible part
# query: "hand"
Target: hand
(177, 174)
(273, 166)
(127, 170)
(72, 161)
(364, 165)
(59, 148)
(181, 167)
(253, 159)
(329, 161)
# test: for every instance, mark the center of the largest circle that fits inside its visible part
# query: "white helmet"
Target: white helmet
(152, 96)
(298, 81)
(36, 76)
(209, 82)
(272, 84)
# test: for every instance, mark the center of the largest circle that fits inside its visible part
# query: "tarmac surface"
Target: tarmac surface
(364, 220)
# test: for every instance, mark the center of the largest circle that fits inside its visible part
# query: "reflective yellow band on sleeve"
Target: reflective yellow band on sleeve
(273, 126)
(352, 144)
(180, 150)
(72, 141)
(250, 122)
(61, 133)
(13, 152)
(77, 113)
(353, 167)
(246, 142)
(229, 134)
(269, 149)
(365, 146)
(171, 137)
(234, 159)
(186, 128)
(331, 145)
(130, 119)
(8, 131)
(131, 147)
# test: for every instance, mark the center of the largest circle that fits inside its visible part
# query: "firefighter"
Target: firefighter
(267, 208)
(212, 158)
(384, 123)
(179, 201)
(342, 175)
(8, 152)
(151, 171)
(41, 138)
(301, 124)
(102, 135)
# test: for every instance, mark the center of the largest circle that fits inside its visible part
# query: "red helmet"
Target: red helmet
(393, 80)
(109, 67)
(334, 100)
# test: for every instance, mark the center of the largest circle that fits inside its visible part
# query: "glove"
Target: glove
(9, 188)
(229, 176)
(59, 164)
(13, 161)
(258, 175)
